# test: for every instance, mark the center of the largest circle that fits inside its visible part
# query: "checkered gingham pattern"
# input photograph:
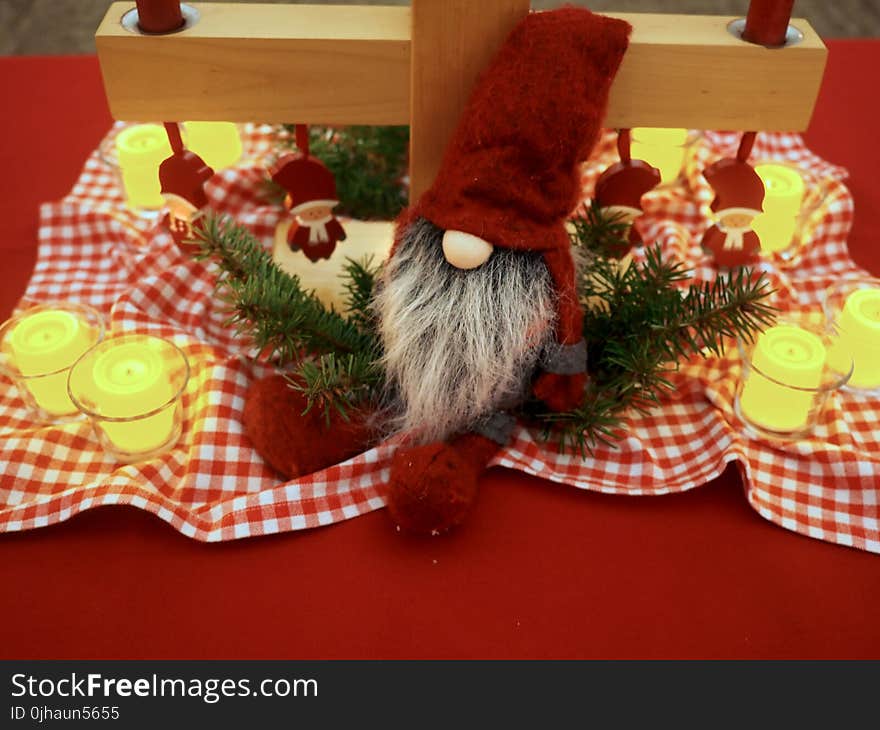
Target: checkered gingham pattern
(213, 486)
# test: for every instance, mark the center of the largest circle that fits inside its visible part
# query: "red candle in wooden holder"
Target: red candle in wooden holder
(767, 22)
(159, 16)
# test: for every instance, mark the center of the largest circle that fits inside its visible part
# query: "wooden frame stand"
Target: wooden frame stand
(350, 64)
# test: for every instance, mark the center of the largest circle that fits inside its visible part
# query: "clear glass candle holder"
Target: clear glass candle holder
(130, 387)
(852, 320)
(39, 346)
(786, 380)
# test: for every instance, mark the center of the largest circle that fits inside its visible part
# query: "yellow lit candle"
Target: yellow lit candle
(793, 357)
(662, 148)
(783, 197)
(43, 346)
(130, 387)
(140, 150)
(130, 380)
(217, 143)
(858, 339)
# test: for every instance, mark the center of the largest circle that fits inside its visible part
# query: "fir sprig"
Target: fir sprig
(337, 383)
(359, 282)
(598, 232)
(283, 318)
(340, 382)
(330, 356)
(639, 324)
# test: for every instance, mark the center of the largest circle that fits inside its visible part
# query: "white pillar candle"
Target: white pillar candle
(783, 197)
(794, 358)
(131, 380)
(858, 338)
(140, 150)
(130, 386)
(43, 345)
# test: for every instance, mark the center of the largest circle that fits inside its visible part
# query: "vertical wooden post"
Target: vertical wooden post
(452, 41)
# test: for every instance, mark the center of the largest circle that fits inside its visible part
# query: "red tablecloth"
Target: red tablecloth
(540, 570)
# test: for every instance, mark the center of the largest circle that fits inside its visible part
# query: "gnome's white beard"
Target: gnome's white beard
(459, 345)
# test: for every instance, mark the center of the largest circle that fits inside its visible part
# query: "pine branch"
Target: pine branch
(337, 383)
(639, 324)
(599, 233)
(359, 283)
(269, 303)
(332, 354)
(733, 306)
(596, 421)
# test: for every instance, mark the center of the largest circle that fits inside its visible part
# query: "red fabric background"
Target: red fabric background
(541, 570)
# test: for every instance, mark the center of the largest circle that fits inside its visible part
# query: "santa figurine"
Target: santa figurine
(311, 197)
(182, 178)
(620, 188)
(739, 198)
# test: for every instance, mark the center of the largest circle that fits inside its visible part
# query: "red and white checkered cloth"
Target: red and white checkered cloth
(213, 486)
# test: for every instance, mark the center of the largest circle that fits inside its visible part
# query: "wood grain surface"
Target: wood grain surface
(68, 26)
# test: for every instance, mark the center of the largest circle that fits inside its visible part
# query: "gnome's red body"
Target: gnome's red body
(478, 303)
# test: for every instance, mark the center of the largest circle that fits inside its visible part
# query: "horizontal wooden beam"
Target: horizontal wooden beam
(343, 64)
(323, 64)
(689, 71)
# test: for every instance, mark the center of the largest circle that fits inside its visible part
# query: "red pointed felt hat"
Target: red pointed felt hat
(306, 180)
(511, 172)
(736, 185)
(184, 174)
(624, 183)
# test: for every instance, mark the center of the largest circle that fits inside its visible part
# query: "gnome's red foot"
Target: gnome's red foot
(293, 443)
(433, 487)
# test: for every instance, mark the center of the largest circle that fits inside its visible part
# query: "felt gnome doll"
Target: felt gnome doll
(620, 188)
(739, 198)
(311, 197)
(182, 179)
(477, 305)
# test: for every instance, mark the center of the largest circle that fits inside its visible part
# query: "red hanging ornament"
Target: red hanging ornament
(739, 197)
(182, 178)
(311, 197)
(620, 188)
